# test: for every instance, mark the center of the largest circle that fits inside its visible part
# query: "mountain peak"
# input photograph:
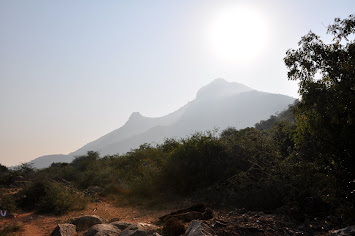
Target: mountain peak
(219, 81)
(135, 116)
(220, 88)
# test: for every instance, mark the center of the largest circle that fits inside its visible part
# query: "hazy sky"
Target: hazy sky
(72, 71)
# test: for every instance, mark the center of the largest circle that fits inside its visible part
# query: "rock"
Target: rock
(121, 224)
(64, 230)
(114, 219)
(198, 228)
(173, 227)
(196, 212)
(187, 217)
(85, 222)
(103, 230)
(195, 208)
(348, 231)
(139, 229)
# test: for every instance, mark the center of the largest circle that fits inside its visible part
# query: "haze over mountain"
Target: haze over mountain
(220, 104)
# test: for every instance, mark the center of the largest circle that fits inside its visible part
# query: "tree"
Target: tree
(325, 113)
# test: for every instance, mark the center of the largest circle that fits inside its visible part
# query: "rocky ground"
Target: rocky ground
(196, 220)
(35, 224)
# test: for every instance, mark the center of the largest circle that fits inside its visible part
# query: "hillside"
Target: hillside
(220, 104)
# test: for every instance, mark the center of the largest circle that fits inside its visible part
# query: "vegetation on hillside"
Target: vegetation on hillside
(302, 158)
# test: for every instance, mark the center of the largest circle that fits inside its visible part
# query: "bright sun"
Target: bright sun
(238, 35)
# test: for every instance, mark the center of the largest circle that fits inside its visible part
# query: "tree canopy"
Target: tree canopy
(325, 112)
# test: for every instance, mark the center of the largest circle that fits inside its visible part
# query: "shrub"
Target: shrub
(8, 203)
(26, 170)
(81, 163)
(48, 196)
(198, 162)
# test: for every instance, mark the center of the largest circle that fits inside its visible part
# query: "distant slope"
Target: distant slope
(135, 125)
(219, 104)
(240, 111)
(45, 161)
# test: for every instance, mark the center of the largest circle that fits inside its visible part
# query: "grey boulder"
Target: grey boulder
(198, 228)
(139, 229)
(64, 230)
(85, 222)
(103, 230)
(122, 225)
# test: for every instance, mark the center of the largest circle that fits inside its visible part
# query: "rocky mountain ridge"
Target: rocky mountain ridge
(220, 104)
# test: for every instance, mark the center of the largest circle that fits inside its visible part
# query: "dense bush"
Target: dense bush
(198, 162)
(8, 203)
(50, 196)
(252, 168)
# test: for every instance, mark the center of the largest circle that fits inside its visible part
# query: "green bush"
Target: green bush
(82, 163)
(198, 162)
(8, 203)
(25, 170)
(48, 196)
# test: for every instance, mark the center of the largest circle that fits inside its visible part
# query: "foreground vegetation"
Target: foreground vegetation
(302, 159)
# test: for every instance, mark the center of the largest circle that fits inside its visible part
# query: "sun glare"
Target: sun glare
(238, 35)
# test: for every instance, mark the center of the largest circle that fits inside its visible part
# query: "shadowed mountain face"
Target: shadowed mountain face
(219, 104)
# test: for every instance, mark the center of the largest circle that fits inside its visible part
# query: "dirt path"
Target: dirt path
(29, 229)
(37, 225)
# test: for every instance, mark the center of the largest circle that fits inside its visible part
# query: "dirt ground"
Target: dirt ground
(35, 224)
(225, 222)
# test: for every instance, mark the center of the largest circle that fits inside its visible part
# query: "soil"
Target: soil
(38, 225)
(225, 221)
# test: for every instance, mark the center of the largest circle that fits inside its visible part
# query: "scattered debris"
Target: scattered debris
(348, 231)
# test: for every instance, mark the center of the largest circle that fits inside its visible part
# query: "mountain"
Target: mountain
(45, 161)
(220, 104)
